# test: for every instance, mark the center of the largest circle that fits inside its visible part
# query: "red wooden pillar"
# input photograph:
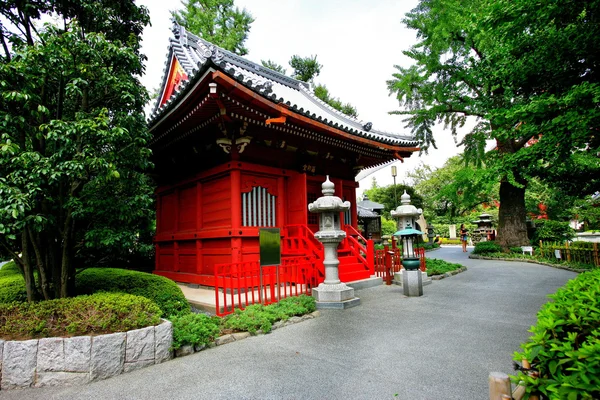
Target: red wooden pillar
(176, 230)
(236, 214)
(199, 255)
(281, 218)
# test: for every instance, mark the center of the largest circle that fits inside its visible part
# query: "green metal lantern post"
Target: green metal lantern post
(412, 280)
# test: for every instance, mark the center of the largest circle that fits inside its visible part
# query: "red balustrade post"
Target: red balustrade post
(371, 256)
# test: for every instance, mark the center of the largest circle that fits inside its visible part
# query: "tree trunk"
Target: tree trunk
(512, 229)
(30, 288)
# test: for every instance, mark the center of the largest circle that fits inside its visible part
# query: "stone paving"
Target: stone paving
(442, 345)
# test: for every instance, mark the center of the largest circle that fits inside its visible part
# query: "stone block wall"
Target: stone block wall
(82, 359)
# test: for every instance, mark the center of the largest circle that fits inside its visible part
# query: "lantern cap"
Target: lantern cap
(407, 232)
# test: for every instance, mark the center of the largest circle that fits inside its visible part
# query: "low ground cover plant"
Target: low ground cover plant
(83, 315)
(261, 317)
(439, 267)
(164, 292)
(565, 344)
(195, 330)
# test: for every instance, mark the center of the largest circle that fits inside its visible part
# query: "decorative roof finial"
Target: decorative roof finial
(328, 187)
(405, 198)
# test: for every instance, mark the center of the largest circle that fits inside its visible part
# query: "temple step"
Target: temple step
(353, 271)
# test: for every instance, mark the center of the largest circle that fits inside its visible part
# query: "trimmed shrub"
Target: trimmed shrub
(449, 241)
(12, 288)
(487, 248)
(162, 291)
(439, 267)
(12, 284)
(84, 315)
(10, 268)
(565, 345)
(516, 250)
(194, 329)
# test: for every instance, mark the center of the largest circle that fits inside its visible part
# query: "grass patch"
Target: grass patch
(84, 315)
(440, 267)
(536, 258)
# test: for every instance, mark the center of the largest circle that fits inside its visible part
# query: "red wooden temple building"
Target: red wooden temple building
(237, 147)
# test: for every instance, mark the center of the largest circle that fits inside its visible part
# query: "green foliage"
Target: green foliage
(516, 250)
(450, 241)
(162, 291)
(453, 191)
(257, 316)
(73, 138)
(388, 226)
(305, 68)
(194, 329)
(487, 247)
(565, 343)
(273, 65)
(322, 93)
(216, 21)
(552, 231)
(10, 268)
(439, 267)
(84, 315)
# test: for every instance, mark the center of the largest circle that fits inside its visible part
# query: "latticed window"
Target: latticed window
(259, 208)
(313, 218)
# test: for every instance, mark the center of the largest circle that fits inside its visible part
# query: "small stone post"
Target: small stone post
(332, 293)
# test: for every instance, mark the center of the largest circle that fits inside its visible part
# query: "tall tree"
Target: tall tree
(73, 139)
(479, 59)
(322, 93)
(216, 21)
(389, 196)
(306, 69)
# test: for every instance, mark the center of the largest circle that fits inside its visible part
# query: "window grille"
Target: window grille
(259, 208)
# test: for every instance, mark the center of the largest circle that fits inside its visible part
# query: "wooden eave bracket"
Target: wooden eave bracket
(278, 120)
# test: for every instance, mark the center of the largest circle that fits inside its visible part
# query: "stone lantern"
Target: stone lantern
(406, 214)
(332, 293)
(412, 278)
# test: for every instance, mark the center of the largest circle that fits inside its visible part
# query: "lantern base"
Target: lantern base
(398, 278)
(412, 283)
(337, 296)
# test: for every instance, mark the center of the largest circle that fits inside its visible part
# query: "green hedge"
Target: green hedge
(565, 345)
(84, 315)
(164, 292)
(487, 248)
(9, 268)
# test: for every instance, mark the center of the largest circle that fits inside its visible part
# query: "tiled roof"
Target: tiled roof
(365, 212)
(197, 55)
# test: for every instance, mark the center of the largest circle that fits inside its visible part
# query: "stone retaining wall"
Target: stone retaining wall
(82, 359)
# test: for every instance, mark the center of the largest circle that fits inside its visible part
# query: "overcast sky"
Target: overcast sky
(358, 42)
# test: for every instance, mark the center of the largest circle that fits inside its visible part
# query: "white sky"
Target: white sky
(358, 42)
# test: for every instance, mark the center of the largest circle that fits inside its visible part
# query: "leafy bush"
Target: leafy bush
(439, 267)
(552, 231)
(565, 345)
(516, 250)
(449, 241)
(429, 246)
(194, 329)
(84, 315)
(487, 247)
(257, 316)
(162, 291)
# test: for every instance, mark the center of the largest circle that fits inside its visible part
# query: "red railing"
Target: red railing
(364, 253)
(238, 285)
(298, 238)
(389, 261)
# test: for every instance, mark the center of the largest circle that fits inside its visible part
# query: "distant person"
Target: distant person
(464, 237)
(437, 240)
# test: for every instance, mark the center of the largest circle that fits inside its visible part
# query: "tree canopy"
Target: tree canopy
(524, 72)
(216, 21)
(273, 65)
(73, 139)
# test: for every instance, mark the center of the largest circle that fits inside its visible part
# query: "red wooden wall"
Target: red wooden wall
(199, 220)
